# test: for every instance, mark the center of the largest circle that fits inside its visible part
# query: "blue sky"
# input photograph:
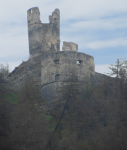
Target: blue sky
(99, 27)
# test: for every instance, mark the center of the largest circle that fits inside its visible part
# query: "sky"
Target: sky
(99, 27)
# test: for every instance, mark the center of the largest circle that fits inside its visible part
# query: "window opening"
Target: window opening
(54, 18)
(56, 61)
(35, 22)
(57, 77)
(79, 62)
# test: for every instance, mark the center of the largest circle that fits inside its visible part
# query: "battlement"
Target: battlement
(33, 16)
(55, 16)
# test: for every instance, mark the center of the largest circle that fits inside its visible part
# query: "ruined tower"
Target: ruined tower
(57, 67)
(49, 66)
(43, 37)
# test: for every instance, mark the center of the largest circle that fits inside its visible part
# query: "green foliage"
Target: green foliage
(12, 98)
(84, 146)
(37, 96)
(64, 138)
(86, 126)
(76, 132)
(43, 115)
(48, 118)
(52, 128)
(64, 131)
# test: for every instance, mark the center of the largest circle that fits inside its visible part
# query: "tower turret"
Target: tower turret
(33, 16)
(43, 37)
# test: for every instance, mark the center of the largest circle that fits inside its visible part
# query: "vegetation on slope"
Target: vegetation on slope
(91, 118)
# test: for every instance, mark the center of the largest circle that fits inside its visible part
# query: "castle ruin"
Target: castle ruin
(47, 64)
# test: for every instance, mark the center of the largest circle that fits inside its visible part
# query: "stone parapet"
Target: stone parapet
(69, 46)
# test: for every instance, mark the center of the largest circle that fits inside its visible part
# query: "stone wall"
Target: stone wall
(69, 46)
(57, 67)
(43, 37)
(17, 77)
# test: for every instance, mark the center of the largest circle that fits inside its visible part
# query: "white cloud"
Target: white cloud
(107, 43)
(15, 10)
(100, 24)
(80, 9)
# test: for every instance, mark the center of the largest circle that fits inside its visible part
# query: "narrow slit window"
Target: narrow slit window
(57, 77)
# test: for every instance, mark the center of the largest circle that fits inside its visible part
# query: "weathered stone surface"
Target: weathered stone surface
(49, 66)
(69, 46)
(62, 62)
(57, 67)
(29, 68)
(43, 37)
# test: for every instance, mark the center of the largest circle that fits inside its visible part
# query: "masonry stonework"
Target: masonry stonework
(43, 37)
(57, 67)
(49, 66)
(69, 46)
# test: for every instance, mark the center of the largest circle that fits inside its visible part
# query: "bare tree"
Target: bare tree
(67, 115)
(4, 71)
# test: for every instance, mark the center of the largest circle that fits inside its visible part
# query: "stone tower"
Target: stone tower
(43, 37)
(49, 66)
(56, 69)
